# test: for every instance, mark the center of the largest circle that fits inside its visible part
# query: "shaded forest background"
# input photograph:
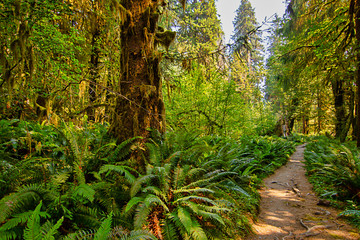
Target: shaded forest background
(106, 95)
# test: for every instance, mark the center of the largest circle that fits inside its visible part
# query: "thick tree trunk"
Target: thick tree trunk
(340, 110)
(139, 105)
(357, 29)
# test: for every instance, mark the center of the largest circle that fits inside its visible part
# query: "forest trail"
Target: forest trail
(289, 208)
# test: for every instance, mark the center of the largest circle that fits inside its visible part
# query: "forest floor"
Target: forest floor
(289, 208)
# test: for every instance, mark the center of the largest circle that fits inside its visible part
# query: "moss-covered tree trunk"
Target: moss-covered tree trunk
(139, 105)
(357, 30)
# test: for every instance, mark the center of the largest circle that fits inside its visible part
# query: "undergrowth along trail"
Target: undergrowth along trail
(289, 209)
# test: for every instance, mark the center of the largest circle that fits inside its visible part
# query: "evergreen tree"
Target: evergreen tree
(246, 37)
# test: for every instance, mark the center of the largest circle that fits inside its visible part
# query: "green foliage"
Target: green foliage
(74, 184)
(333, 169)
(199, 187)
(192, 180)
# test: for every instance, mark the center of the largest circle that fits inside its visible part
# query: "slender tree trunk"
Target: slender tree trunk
(291, 124)
(139, 105)
(319, 112)
(354, 122)
(94, 70)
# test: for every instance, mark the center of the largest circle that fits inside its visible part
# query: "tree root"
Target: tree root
(290, 235)
(310, 230)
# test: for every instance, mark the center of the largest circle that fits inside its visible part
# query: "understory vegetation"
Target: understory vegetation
(75, 182)
(334, 170)
(124, 119)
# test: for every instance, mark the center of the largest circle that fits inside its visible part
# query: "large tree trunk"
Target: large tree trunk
(139, 104)
(340, 110)
(357, 29)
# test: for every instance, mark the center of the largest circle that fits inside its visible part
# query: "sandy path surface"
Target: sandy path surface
(289, 208)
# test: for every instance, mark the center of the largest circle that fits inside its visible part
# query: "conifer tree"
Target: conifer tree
(246, 37)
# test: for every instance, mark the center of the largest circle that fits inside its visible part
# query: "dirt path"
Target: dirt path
(289, 208)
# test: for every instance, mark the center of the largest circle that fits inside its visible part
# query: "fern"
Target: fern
(185, 219)
(81, 235)
(24, 199)
(154, 200)
(85, 191)
(197, 232)
(20, 218)
(119, 169)
(350, 213)
(50, 232)
(122, 150)
(120, 233)
(104, 230)
(59, 179)
(142, 212)
(136, 187)
(32, 230)
(169, 230)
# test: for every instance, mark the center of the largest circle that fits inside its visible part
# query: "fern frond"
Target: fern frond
(194, 197)
(350, 213)
(20, 218)
(185, 219)
(87, 216)
(9, 235)
(140, 235)
(133, 202)
(58, 179)
(24, 199)
(155, 156)
(197, 232)
(153, 199)
(119, 169)
(212, 216)
(136, 187)
(194, 190)
(156, 191)
(104, 230)
(122, 150)
(230, 185)
(79, 173)
(169, 230)
(49, 234)
(85, 191)
(32, 230)
(80, 235)
(142, 212)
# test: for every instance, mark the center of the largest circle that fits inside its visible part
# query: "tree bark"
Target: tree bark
(357, 33)
(139, 104)
(94, 70)
(319, 111)
(340, 110)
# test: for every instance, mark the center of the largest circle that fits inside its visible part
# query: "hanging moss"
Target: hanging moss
(165, 38)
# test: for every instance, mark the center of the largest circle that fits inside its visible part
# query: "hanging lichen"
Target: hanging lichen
(165, 38)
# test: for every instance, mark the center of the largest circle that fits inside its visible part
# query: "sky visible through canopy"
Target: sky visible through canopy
(263, 8)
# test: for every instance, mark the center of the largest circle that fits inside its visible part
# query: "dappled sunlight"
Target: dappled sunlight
(289, 208)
